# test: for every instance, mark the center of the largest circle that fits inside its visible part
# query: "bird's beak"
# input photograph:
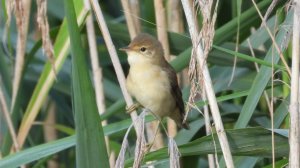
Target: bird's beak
(125, 48)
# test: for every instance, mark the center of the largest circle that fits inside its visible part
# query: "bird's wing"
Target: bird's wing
(175, 90)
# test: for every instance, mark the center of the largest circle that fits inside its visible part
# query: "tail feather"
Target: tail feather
(179, 119)
(185, 125)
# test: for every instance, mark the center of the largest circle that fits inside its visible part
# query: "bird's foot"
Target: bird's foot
(133, 107)
(148, 147)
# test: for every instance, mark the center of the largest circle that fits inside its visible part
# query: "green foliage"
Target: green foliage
(243, 107)
(90, 143)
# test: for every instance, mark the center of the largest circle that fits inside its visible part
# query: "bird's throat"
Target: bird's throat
(137, 59)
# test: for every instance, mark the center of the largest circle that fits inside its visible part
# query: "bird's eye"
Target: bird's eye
(143, 49)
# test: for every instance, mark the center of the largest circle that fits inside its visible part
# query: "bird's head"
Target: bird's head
(144, 48)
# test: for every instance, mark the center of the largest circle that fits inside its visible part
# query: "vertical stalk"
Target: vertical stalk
(294, 160)
(129, 19)
(208, 85)
(135, 10)
(49, 130)
(161, 27)
(22, 12)
(113, 54)
(211, 158)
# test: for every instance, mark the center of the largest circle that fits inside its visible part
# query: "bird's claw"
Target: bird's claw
(148, 146)
(133, 107)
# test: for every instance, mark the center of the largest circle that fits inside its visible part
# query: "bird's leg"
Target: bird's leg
(133, 107)
(149, 145)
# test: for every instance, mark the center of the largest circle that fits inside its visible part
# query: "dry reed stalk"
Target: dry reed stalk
(211, 158)
(161, 27)
(172, 127)
(11, 129)
(140, 142)
(272, 105)
(22, 11)
(272, 115)
(140, 145)
(133, 31)
(194, 10)
(175, 22)
(50, 133)
(96, 68)
(135, 10)
(112, 159)
(113, 54)
(44, 27)
(153, 133)
(273, 39)
(201, 47)
(10, 7)
(294, 135)
(270, 9)
(174, 153)
(121, 158)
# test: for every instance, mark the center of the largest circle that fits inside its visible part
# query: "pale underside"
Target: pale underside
(150, 85)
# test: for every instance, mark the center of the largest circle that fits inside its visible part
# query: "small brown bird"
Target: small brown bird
(152, 81)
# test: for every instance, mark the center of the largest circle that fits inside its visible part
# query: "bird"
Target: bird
(152, 81)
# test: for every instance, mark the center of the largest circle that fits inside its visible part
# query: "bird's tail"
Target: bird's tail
(185, 125)
(179, 119)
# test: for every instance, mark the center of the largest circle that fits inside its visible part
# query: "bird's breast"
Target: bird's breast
(150, 85)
